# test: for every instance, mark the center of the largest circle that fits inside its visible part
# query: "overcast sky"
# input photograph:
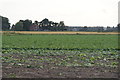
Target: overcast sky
(72, 12)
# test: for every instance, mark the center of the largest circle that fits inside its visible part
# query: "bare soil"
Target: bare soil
(52, 71)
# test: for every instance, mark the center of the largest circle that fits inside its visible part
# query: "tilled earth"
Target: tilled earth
(49, 71)
(20, 65)
(59, 72)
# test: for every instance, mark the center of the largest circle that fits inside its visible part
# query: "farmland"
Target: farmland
(60, 55)
(56, 32)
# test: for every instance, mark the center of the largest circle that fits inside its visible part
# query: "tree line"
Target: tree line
(5, 23)
(44, 25)
(28, 25)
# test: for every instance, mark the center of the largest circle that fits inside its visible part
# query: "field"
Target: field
(60, 55)
(56, 32)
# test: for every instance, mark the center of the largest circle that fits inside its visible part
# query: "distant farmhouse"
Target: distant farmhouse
(92, 28)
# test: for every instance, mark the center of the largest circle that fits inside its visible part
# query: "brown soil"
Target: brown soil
(51, 71)
(55, 32)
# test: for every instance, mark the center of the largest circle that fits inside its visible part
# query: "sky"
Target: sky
(72, 12)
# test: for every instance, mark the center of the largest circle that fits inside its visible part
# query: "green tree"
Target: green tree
(36, 22)
(26, 24)
(45, 22)
(5, 23)
(118, 26)
(61, 24)
(18, 26)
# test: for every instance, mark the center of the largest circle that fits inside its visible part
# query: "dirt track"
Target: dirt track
(55, 32)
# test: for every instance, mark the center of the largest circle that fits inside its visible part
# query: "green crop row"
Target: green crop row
(61, 41)
(27, 58)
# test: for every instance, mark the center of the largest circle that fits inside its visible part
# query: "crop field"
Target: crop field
(60, 55)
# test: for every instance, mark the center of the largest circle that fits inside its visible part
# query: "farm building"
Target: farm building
(85, 28)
